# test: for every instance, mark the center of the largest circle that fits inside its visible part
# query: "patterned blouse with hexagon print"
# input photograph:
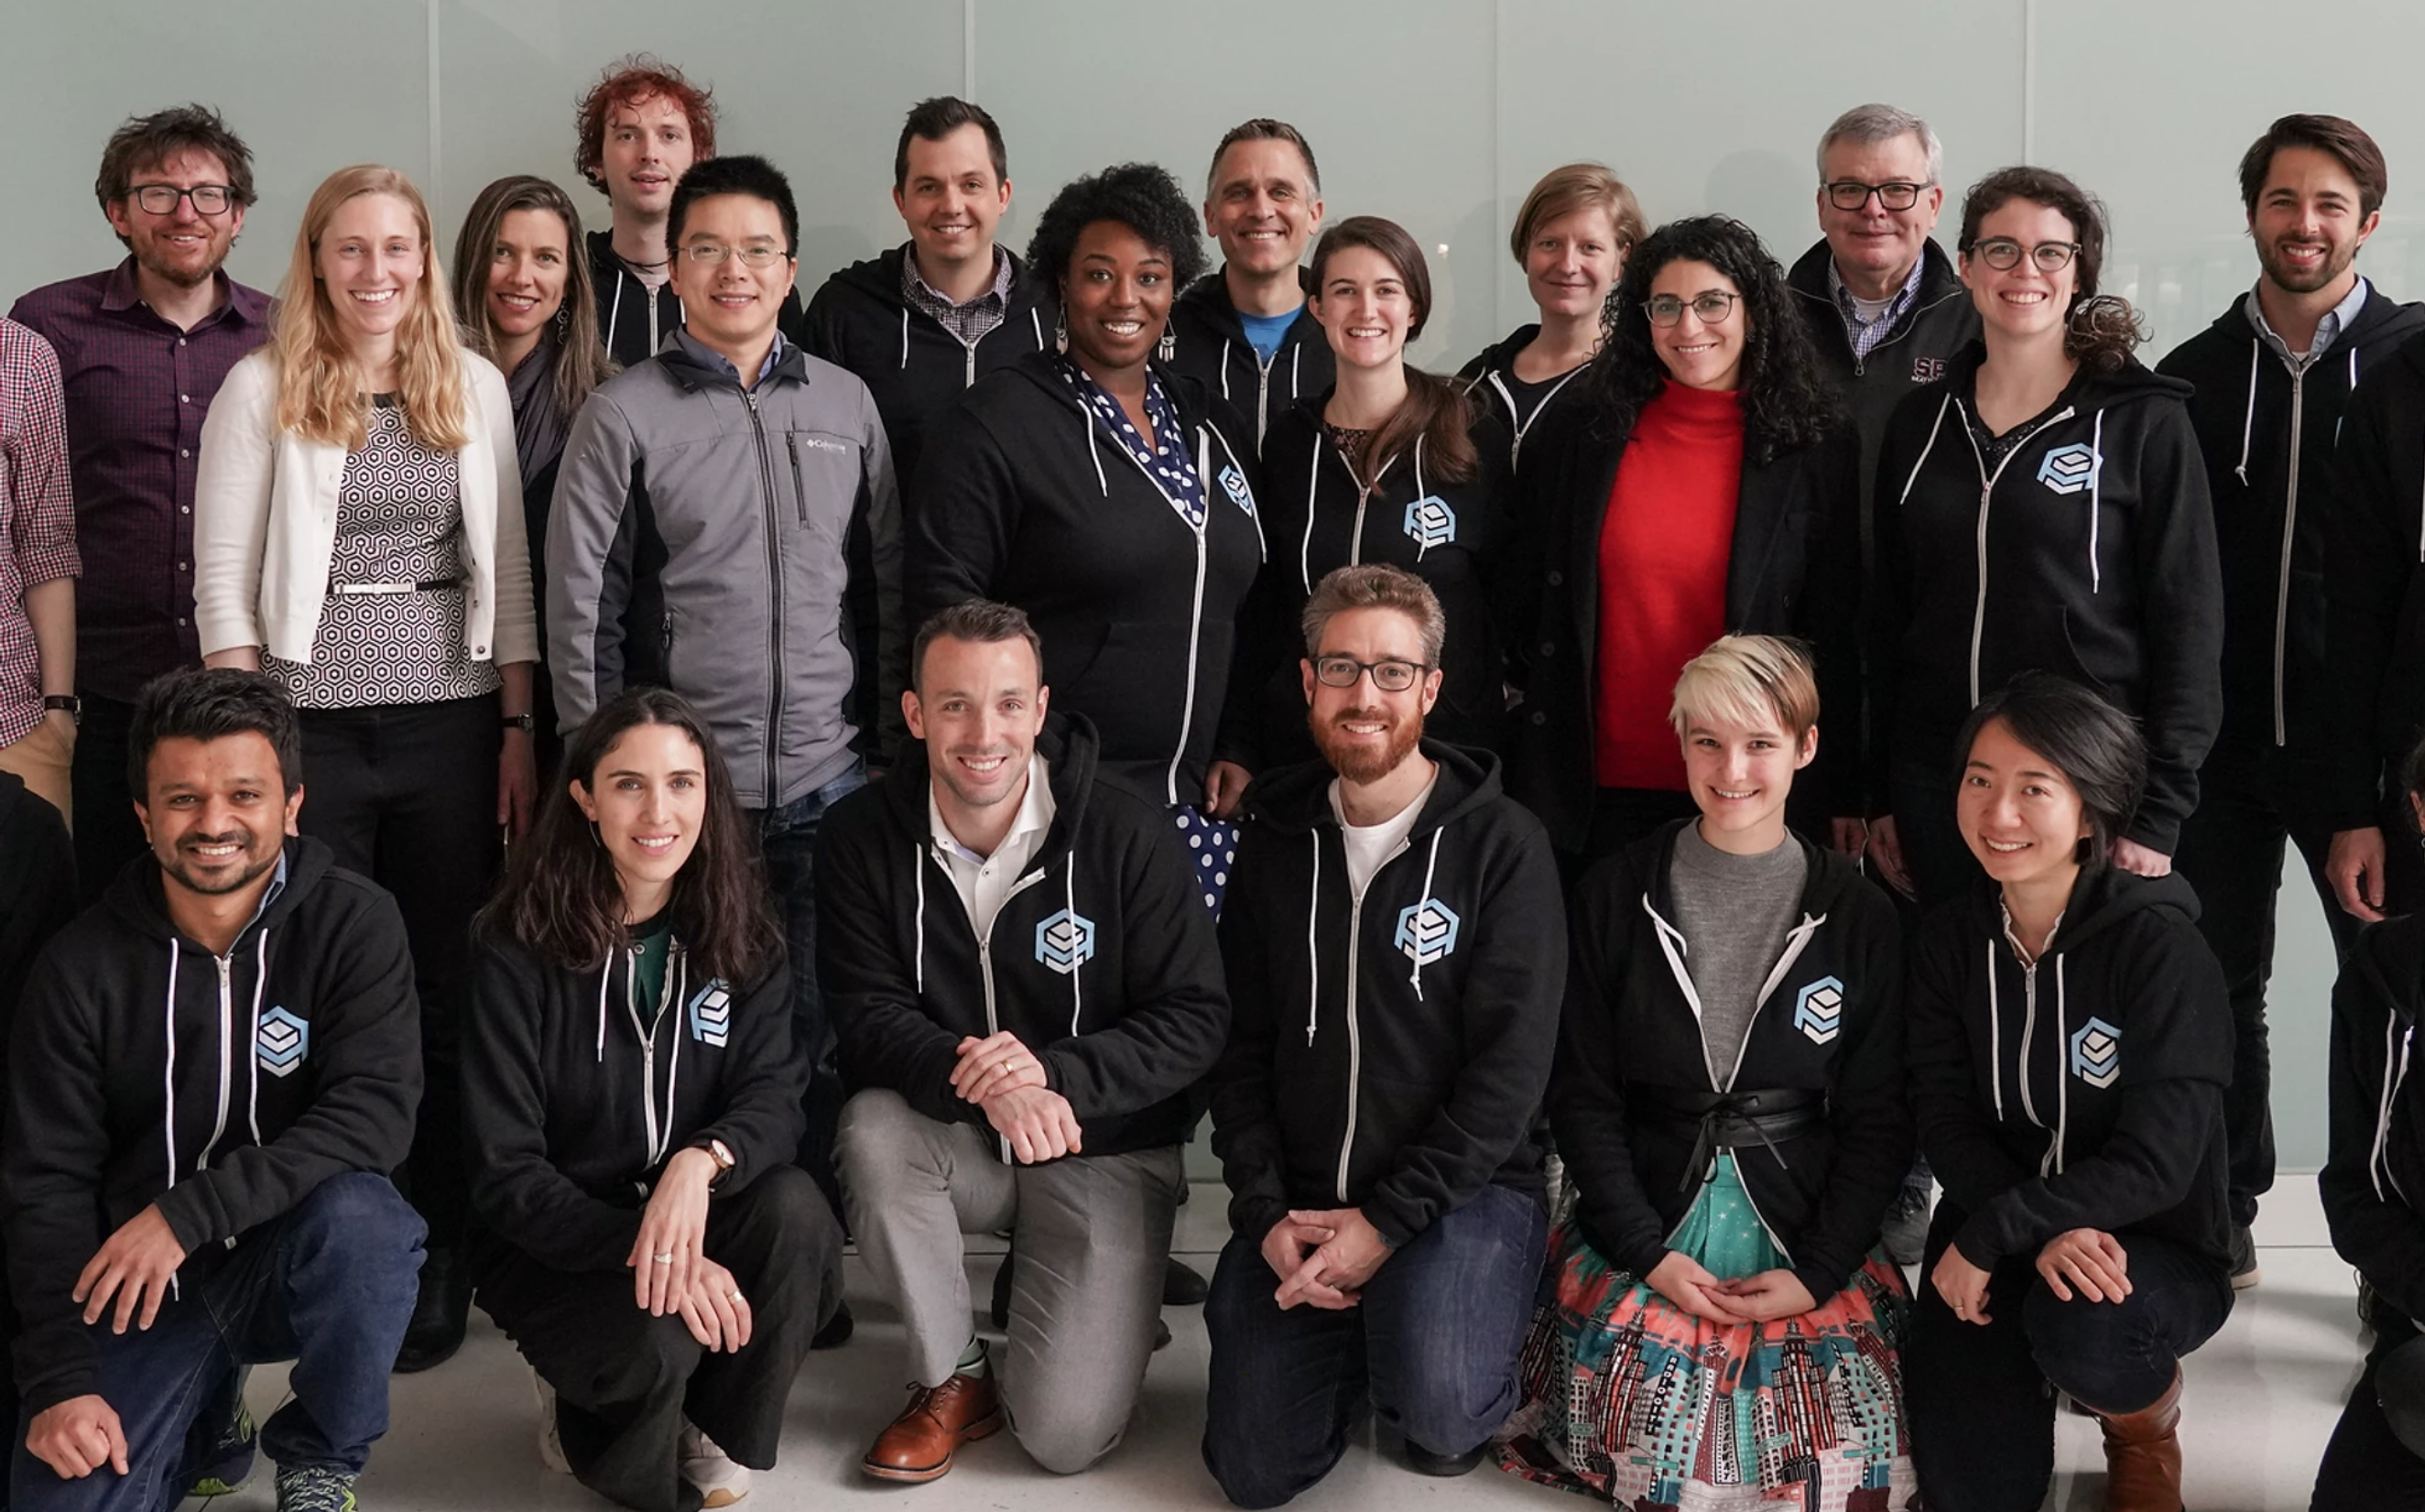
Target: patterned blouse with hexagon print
(399, 531)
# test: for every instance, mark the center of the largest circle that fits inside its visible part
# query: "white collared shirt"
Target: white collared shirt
(984, 882)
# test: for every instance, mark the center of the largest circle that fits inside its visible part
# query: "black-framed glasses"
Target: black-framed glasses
(1389, 676)
(161, 199)
(708, 254)
(1711, 306)
(1852, 194)
(2003, 254)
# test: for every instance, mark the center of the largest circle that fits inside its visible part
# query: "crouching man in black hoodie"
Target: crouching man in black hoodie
(1022, 1061)
(210, 1075)
(1396, 951)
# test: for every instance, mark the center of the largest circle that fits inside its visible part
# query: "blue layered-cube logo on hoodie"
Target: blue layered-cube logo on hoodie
(281, 1042)
(1818, 1012)
(1065, 941)
(1427, 931)
(1233, 483)
(2096, 1052)
(711, 1015)
(2070, 469)
(1430, 522)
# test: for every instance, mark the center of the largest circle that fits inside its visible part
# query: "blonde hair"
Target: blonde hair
(1749, 681)
(1578, 186)
(320, 392)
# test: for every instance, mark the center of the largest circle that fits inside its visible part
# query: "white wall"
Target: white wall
(1438, 113)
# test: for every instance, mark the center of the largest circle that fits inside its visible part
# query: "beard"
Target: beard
(1357, 760)
(257, 860)
(2337, 261)
(159, 266)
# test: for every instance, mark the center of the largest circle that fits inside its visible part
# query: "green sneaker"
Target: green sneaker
(314, 1489)
(229, 1470)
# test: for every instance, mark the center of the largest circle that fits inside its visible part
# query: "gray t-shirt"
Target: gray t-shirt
(1735, 912)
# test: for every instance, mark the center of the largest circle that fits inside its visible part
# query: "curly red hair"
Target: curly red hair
(630, 81)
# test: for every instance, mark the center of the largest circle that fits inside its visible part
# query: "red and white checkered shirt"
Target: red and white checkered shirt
(37, 514)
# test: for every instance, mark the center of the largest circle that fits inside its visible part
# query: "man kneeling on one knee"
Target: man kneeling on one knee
(210, 1073)
(1026, 990)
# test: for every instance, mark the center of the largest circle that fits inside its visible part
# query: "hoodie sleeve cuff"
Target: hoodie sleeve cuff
(1976, 1244)
(182, 1206)
(1821, 1282)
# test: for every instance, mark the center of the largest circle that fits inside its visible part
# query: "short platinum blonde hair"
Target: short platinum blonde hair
(1872, 123)
(1749, 681)
(1375, 586)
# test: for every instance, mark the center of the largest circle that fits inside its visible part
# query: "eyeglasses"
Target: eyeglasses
(1711, 306)
(161, 199)
(1390, 677)
(708, 254)
(1852, 194)
(2002, 253)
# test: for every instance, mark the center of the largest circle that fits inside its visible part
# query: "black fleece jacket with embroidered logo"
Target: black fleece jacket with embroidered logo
(1208, 341)
(1103, 959)
(2374, 602)
(1829, 1023)
(2374, 1165)
(1390, 1052)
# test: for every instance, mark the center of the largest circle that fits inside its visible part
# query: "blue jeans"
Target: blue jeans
(329, 1286)
(1432, 1348)
(787, 836)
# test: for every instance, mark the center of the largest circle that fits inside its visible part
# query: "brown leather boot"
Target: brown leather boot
(2142, 1454)
(920, 1444)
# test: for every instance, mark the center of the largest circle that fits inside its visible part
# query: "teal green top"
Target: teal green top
(655, 941)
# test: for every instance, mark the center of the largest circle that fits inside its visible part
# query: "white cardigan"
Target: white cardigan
(266, 524)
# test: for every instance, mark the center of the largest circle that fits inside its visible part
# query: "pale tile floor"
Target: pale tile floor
(2262, 1398)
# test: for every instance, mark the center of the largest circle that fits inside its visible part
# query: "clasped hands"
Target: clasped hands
(1324, 1258)
(670, 1271)
(1005, 1079)
(1760, 1298)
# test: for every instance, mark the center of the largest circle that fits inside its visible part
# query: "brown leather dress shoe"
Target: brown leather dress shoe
(2143, 1455)
(920, 1444)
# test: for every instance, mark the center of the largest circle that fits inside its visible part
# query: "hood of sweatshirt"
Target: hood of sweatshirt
(1218, 468)
(1068, 746)
(1295, 799)
(877, 279)
(1208, 299)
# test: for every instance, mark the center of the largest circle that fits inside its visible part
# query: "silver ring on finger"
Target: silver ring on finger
(665, 1259)
(733, 1297)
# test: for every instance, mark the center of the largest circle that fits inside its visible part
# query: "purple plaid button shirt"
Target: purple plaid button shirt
(37, 514)
(138, 389)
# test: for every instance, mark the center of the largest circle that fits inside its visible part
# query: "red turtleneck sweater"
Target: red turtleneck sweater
(1663, 547)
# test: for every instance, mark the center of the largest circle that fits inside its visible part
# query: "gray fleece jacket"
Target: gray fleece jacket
(742, 547)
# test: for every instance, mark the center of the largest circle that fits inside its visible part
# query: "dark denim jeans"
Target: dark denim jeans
(329, 1286)
(787, 836)
(1431, 1348)
(1982, 1413)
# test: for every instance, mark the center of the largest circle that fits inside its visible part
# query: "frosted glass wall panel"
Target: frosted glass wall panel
(310, 85)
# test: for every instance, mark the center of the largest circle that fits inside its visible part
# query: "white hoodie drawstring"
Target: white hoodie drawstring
(1421, 899)
(1035, 321)
(260, 980)
(1296, 355)
(168, 1025)
(2095, 499)
(681, 968)
(1086, 418)
(615, 306)
(904, 338)
(2248, 421)
(1904, 496)
(606, 975)
(918, 955)
(2395, 1071)
(1305, 547)
(1225, 367)
(1069, 903)
(1995, 1037)
(2063, 1074)
(1313, 957)
(1423, 542)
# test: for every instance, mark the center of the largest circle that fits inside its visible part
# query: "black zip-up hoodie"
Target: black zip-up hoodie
(1023, 496)
(1318, 517)
(1830, 1020)
(2269, 435)
(1490, 379)
(1206, 340)
(2085, 1092)
(2374, 609)
(1791, 570)
(143, 1069)
(1103, 960)
(1390, 1053)
(38, 885)
(633, 321)
(2089, 551)
(2374, 1171)
(913, 366)
(576, 1091)
(1915, 350)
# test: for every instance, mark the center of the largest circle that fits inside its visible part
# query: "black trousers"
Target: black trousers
(2366, 1468)
(2232, 851)
(107, 834)
(625, 1381)
(1981, 1395)
(407, 795)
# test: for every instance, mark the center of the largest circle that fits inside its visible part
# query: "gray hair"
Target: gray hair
(1873, 123)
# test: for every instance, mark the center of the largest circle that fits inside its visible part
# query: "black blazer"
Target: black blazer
(1792, 572)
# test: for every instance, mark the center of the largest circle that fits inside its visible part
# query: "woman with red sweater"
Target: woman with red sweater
(1689, 497)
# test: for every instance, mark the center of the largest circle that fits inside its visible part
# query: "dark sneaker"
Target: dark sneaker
(225, 1465)
(1423, 1462)
(1182, 1286)
(1904, 1230)
(2246, 1272)
(440, 1314)
(314, 1489)
(836, 1331)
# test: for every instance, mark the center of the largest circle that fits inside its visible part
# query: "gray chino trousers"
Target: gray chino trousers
(1092, 1234)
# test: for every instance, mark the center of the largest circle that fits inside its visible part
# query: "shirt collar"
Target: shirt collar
(235, 301)
(1036, 810)
(2328, 329)
(702, 352)
(914, 283)
(1902, 296)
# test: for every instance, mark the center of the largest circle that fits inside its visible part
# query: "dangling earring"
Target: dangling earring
(1061, 330)
(596, 835)
(563, 321)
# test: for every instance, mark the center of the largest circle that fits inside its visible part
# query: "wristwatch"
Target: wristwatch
(69, 701)
(521, 721)
(721, 1152)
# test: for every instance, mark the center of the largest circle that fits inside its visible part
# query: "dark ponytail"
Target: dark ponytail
(1436, 412)
(2100, 331)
